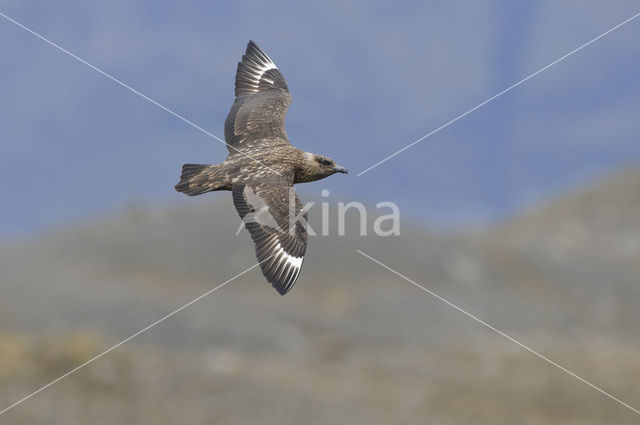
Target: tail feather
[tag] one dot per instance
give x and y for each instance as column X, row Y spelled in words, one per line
column 197, row 179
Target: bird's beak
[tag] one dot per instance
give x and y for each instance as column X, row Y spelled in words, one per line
column 339, row 169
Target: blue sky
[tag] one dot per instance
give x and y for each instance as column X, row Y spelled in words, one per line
column 367, row 78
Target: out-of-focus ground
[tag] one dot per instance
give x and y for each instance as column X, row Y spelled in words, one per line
column 352, row 343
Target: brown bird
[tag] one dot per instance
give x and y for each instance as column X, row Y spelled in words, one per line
column 261, row 169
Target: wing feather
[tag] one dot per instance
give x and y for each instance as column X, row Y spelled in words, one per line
column 272, row 213
column 260, row 107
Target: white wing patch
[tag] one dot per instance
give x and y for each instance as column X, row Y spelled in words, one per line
column 287, row 267
column 290, row 259
column 256, row 70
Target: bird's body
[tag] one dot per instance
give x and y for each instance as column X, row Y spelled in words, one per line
column 261, row 169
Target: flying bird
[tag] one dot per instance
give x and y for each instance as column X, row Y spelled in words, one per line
column 261, row 169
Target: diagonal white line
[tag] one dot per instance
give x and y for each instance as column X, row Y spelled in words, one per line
column 91, row 360
column 498, row 95
column 546, row 359
column 109, row 76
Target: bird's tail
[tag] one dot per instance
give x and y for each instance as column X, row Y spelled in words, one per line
column 197, row 179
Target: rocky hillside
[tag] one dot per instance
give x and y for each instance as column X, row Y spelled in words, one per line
column 352, row 343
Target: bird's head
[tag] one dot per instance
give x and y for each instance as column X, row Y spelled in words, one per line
column 317, row 167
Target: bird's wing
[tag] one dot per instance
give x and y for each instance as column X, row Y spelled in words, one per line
column 274, row 216
column 262, row 99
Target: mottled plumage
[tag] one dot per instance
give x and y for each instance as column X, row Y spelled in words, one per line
column 261, row 169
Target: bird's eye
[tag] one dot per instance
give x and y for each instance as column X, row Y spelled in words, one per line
column 324, row 161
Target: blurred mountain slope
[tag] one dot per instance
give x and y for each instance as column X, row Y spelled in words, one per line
column 352, row 343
